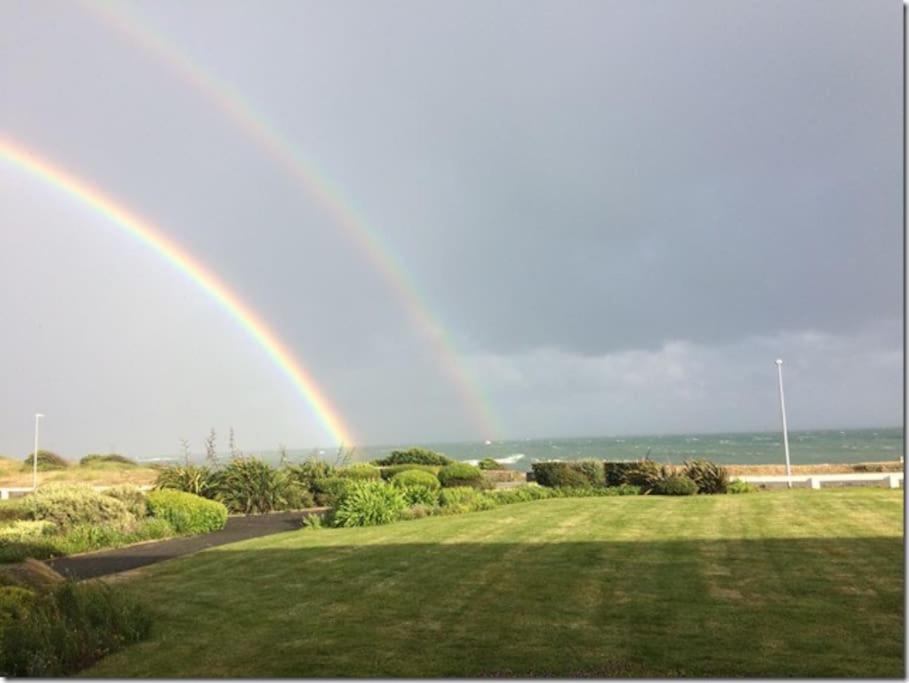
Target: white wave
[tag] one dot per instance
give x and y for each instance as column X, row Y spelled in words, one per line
column 510, row 460
column 472, row 462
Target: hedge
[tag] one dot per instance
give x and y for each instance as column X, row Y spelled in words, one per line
column 187, row 513
column 69, row 505
column 414, row 456
column 389, row 471
column 416, row 478
column 460, row 474
column 575, row 473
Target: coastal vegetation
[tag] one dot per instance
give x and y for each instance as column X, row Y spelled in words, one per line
column 780, row 584
column 64, row 519
column 58, row 629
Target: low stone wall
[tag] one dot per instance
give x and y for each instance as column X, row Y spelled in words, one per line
column 502, row 476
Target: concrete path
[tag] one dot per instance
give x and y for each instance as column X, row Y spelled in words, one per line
column 104, row 562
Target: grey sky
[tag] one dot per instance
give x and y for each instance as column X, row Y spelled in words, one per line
column 621, row 212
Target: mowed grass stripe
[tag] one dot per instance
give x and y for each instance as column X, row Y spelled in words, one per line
column 788, row 583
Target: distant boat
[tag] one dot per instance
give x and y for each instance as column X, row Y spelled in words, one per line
column 488, row 442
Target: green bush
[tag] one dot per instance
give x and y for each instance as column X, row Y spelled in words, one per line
column 12, row 510
column 68, row 628
column 709, row 477
column 26, row 530
column 490, row 464
column 555, row 473
column 331, row 490
column 523, row 494
column 643, row 473
column 465, row 499
column 390, row 471
column 116, row 458
column 739, row 486
column 676, row 485
column 460, row 474
column 419, row 512
column 420, row 495
column 416, row 478
column 297, row 496
column 15, row 602
column 359, row 471
column 369, row 503
column 131, row 496
column 194, row 479
column 47, row 460
column 308, row 472
column 414, row 456
column 71, row 504
column 251, row 486
column 187, row 513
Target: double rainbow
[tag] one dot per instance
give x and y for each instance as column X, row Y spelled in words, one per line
column 277, row 146
column 151, row 235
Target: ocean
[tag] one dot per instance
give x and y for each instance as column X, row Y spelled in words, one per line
column 757, row 448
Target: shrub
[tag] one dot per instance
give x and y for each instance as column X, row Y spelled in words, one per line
column 11, row 510
column 187, row 513
column 68, row 505
column 523, row 494
column 68, row 628
column 420, row 495
column 297, row 496
column 643, row 473
column 116, row 458
column 250, row 486
column 359, row 471
column 15, row 602
column 307, row 472
column 709, row 477
column 418, row 512
column 47, row 460
column 312, row 522
column 23, row 530
column 368, row 503
column 416, row 478
column 490, row 464
column 414, row 456
column 739, row 486
column 561, row 474
column 131, row 497
column 200, row 481
column 676, row 485
column 465, row 499
column 330, row 490
column 390, row 471
column 460, row 474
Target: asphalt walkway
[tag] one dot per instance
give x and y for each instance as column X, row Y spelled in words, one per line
column 104, row 562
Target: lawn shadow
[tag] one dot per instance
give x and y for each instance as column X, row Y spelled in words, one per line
column 771, row 608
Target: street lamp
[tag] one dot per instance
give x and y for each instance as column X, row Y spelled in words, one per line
column 779, row 368
column 38, row 416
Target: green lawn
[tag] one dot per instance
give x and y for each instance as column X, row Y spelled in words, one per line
column 788, row 583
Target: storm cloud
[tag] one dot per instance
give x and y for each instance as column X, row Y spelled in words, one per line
column 619, row 213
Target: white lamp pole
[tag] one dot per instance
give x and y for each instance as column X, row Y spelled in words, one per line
column 779, row 368
column 38, row 416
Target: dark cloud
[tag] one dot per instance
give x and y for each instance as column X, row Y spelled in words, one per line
column 560, row 180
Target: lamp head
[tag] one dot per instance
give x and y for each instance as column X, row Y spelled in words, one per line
column 779, row 361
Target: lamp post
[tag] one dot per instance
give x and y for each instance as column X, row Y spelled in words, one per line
column 779, row 368
column 38, row 416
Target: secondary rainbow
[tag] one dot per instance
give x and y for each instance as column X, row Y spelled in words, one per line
column 316, row 183
column 152, row 236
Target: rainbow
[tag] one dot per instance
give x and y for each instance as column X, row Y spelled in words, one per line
column 21, row 158
column 258, row 128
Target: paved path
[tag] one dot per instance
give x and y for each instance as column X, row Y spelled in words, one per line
column 104, row 562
